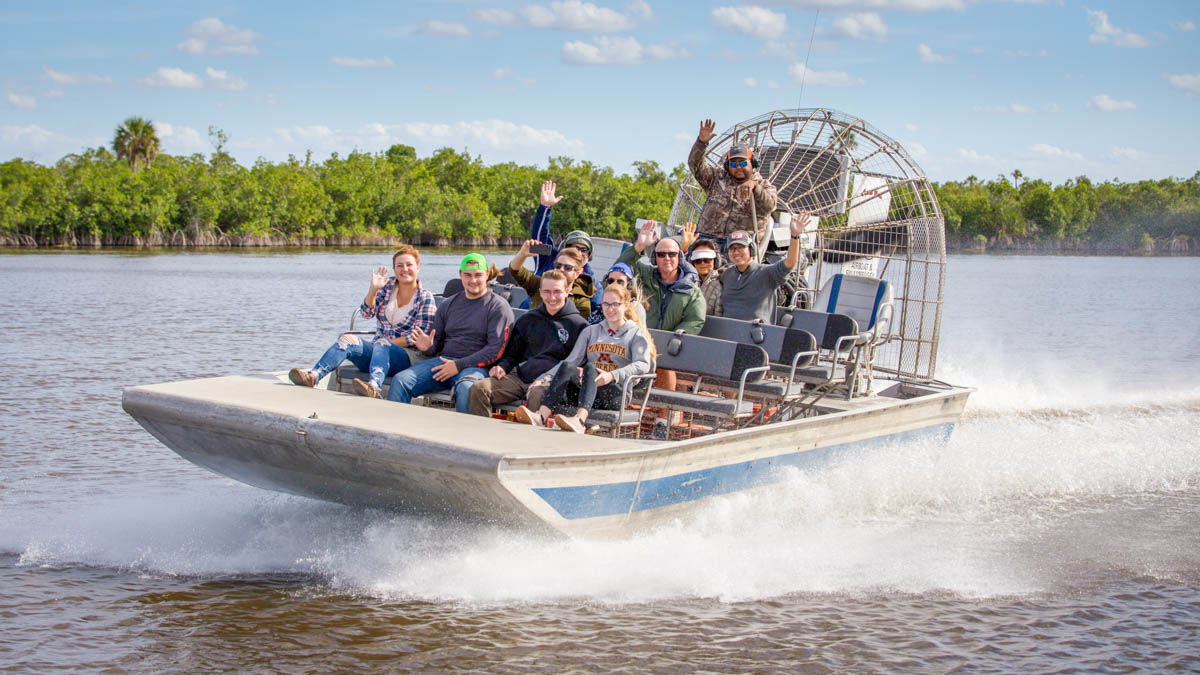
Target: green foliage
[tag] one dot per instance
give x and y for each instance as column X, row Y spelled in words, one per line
column 100, row 197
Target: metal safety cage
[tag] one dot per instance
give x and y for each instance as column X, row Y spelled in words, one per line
column 879, row 216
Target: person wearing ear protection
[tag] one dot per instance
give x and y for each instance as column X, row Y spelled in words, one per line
column 731, row 189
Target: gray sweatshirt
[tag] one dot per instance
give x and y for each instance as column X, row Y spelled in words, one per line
column 750, row 295
column 625, row 354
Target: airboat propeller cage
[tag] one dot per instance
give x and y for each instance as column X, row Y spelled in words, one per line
column 879, row 216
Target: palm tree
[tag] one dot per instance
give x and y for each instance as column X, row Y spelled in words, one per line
column 136, row 142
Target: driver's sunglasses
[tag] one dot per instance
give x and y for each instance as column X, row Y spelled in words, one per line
column 738, row 164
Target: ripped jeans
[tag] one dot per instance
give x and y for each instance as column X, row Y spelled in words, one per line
column 379, row 357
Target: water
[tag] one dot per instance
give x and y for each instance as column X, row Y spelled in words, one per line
column 1057, row 531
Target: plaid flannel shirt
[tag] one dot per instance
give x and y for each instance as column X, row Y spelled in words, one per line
column 421, row 314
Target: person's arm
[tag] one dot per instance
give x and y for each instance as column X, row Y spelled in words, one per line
column 702, row 170
column 779, row 271
column 373, row 300
column 765, row 197
column 514, row 351
column 499, row 325
column 540, row 227
column 639, row 360
column 633, row 257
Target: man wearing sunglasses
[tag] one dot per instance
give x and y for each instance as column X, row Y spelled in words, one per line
column 739, row 197
column 569, row 262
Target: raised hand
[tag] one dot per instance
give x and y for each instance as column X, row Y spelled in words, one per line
column 548, row 197
column 379, row 277
column 646, row 236
column 800, row 222
column 689, row 235
column 708, row 129
column 422, row 340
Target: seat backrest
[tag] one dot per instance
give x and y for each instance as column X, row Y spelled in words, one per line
column 780, row 343
column 859, row 298
column 454, row 285
column 826, row 327
column 708, row 356
column 439, row 299
column 516, row 295
column 518, row 313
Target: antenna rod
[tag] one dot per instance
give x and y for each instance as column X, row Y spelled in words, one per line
column 804, row 75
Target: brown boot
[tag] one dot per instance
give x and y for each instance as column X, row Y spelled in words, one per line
column 365, row 388
column 304, row 378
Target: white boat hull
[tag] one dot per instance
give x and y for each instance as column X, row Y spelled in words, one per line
column 265, row 432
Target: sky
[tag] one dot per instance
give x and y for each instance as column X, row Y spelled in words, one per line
column 1055, row 89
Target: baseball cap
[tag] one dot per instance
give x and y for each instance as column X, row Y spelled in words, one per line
column 739, row 150
column 473, row 261
column 741, row 238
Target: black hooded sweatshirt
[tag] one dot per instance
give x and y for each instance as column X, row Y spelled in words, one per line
column 539, row 341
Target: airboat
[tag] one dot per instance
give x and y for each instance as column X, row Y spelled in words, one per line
column 847, row 367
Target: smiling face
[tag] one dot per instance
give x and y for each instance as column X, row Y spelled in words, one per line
column 474, row 282
column 554, row 294
column 739, row 255
column 406, row 268
column 613, row 307
column 666, row 256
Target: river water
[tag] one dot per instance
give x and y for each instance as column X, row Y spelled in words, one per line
column 1057, row 531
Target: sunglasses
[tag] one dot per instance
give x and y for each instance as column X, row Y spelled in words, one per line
column 582, row 249
column 703, row 261
column 564, row 267
column 666, row 254
column 738, row 164
column 611, row 280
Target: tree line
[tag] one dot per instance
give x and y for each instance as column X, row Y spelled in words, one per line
column 137, row 196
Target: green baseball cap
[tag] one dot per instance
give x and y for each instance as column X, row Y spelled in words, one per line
column 473, row 261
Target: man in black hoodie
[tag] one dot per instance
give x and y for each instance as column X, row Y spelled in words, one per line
column 540, row 339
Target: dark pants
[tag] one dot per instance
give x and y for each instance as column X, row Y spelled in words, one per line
column 570, row 390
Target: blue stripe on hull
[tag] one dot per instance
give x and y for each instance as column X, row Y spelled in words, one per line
column 608, row 499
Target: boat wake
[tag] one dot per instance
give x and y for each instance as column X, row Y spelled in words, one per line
column 1020, row 502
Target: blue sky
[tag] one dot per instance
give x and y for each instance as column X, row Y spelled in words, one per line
column 1056, row 89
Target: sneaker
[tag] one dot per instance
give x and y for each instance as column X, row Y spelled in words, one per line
column 569, row 423
column 526, row 416
column 365, row 388
column 660, row 432
column 304, row 378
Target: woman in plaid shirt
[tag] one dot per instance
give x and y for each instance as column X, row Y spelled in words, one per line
column 398, row 304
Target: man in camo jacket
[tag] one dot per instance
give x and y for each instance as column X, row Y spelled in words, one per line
column 730, row 188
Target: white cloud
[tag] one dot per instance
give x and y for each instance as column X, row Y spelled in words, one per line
column 882, row 5
column 915, row 149
column 1103, row 32
column 1188, row 83
column 31, row 136
column 349, row 62
column 576, row 15
column 223, row 79
column 971, row 155
column 507, row 140
column 72, row 79
column 756, row 22
column 22, row 101
column 173, row 77
column 232, row 40
column 620, row 51
column 826, row 78
column 640, row 10
column 1054, row 152
column 750, row 82
column 928, row 56
column 1184, row 26
column 1129, row 154
column 1106, row 103
column 436, row 28
column 180, row 140
column 501, row 73
column 495, row 16
column 862, row 26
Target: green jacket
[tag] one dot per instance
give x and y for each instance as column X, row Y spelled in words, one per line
column 581, row 291
column 684, row 306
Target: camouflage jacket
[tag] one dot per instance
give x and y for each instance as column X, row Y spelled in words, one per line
column 723, row 213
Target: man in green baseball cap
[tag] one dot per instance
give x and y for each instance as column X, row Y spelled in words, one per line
column 468, row 336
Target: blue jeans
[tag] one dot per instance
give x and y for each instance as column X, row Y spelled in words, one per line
column 418, row 380
column 356, row 348
column 386, row 360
